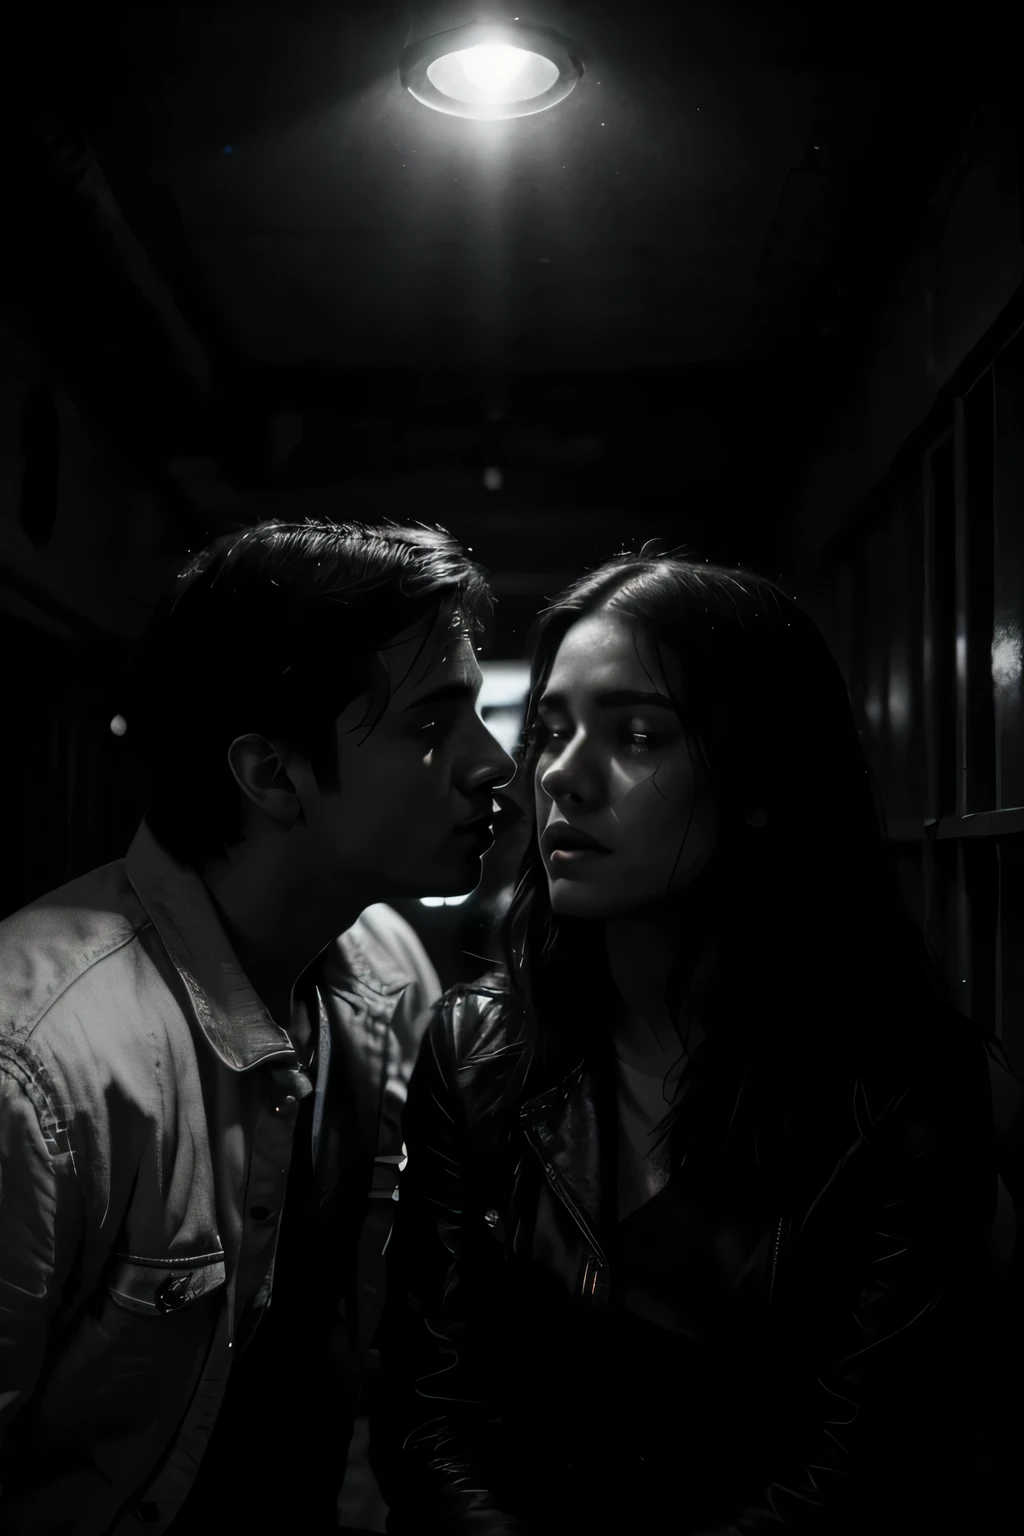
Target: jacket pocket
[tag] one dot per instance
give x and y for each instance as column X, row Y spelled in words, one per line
column 158, row 1287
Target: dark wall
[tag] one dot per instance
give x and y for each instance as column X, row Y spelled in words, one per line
column 967, row 265
column 84, row 548
column 910, row 536
column 69, row 786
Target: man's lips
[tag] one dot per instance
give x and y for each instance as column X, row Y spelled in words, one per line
column 481, row 828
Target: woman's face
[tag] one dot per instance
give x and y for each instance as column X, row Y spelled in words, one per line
column 616, row 765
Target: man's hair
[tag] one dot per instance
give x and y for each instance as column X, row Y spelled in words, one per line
column 274, row 631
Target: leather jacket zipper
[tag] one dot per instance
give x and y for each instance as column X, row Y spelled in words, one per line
column 775, row 1260
column 588, row 1285
column 559, row 1189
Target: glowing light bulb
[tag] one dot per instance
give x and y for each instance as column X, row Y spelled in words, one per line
column 492, row 75
column 492, row 68
column 491, row 71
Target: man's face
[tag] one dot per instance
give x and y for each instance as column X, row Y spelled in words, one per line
column 412, row 778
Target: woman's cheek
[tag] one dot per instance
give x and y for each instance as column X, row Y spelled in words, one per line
column 640, row 785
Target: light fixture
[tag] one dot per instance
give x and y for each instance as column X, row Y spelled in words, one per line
column 491, row 71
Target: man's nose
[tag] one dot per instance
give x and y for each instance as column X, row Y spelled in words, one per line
column 503, row 767
column 493, row 764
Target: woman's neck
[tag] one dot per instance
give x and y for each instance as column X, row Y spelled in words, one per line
column 659, row 960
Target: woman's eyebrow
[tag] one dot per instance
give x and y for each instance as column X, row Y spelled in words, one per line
column 615, row 698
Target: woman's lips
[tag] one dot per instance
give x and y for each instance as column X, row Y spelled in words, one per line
column 565, row 859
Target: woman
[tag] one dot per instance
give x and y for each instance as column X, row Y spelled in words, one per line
column 699, row 1187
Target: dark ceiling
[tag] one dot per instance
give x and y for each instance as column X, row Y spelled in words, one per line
column 336, row 219
column 675, row 209
column 648, row 296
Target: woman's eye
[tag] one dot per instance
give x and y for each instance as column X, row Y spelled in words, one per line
column 541, row 733
column 638, row 740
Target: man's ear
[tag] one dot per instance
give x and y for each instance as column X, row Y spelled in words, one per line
column 263, row 772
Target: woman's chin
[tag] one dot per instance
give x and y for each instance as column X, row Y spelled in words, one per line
column 577, row 901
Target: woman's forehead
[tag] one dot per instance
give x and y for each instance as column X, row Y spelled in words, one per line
column 609, row 650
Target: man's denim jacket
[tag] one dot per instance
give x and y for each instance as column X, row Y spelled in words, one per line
column 147, row 1101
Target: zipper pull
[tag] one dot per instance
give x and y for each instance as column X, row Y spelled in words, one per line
column 593, row 1285
column 775, row 1260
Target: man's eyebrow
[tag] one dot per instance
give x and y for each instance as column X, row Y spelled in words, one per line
column 446, row 693
column 614, row 698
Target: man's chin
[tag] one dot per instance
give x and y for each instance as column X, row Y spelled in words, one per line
column 457, row 887
column 461, row 880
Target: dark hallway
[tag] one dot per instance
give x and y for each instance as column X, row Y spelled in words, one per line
column 753, row 286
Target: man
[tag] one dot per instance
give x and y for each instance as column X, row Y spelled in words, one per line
column 361, row 1509
column 193, row 1067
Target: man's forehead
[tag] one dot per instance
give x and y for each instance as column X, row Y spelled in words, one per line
column 424, row 662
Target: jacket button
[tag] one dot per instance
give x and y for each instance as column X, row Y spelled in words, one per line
column 171, row 1295
column 149, row 1514
column 491, row 1217
column 259, row 1213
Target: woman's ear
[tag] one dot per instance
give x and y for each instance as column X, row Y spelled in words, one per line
column 261, row 772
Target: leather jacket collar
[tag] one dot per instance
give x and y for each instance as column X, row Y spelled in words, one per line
column 564, row 1126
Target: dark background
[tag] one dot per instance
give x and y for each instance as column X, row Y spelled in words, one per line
column 754, row 287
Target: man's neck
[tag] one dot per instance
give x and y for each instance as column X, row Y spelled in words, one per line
column 276, row 925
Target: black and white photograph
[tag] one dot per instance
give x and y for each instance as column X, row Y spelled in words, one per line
column 512, row 790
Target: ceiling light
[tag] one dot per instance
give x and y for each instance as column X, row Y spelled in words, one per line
column 490, row 71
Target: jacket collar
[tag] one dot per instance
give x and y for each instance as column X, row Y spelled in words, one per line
column 227, row 1009
column 362, row 954
column 570, row 1129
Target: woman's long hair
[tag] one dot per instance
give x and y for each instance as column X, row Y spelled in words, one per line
column 822, row 918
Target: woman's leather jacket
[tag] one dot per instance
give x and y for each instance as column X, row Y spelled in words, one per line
column 851, row 1196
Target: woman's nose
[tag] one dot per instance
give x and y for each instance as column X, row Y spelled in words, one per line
column 572, row 773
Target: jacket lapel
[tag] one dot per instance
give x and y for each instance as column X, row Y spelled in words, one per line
column 572, row 1133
